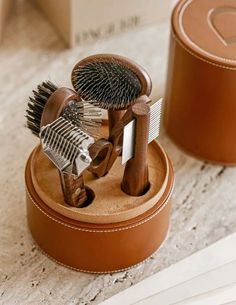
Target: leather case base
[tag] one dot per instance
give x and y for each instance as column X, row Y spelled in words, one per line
column 104, row 244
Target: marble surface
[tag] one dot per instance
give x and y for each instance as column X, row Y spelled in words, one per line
column 204, row 201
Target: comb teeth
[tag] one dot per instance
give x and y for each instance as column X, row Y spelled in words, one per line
column 63, row 142
column 129, row 130
column 109, row 84
column 36, row 105
column 155, row 120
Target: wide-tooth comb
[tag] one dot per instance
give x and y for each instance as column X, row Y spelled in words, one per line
column 66, row 146
column 129, row 130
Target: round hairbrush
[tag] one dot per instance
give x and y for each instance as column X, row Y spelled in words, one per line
column 111, row 82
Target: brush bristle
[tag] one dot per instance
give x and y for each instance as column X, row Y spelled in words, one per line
column 110, row 84
column 79, row 113
column 36, row 105
column 85, row 116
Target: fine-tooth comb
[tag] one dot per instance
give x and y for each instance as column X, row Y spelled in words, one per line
column 66, row 146
column 129, row 130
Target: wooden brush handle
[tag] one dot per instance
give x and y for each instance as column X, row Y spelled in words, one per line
column 117, row 130
column 73, row 189
column 135, row 180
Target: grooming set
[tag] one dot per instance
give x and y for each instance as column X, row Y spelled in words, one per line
column 98, row 201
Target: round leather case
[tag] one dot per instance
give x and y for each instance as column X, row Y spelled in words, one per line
column 115, row 231
column 200, row 102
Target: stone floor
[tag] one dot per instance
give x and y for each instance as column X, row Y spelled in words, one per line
column 204, row 201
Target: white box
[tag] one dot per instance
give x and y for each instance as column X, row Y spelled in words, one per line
column 81, row 21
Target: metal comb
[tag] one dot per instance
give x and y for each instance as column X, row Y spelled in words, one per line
column 129, row 130
column 66, row 146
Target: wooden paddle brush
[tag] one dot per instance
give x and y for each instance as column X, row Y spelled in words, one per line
column 114, row 83
column 111, row 82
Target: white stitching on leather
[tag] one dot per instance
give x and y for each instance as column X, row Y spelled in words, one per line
column 91, row 271
column 102, row 231
column 180, row 21
column 105, row 272
column 200, row 58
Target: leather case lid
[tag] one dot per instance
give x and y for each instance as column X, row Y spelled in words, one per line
column 208, row 29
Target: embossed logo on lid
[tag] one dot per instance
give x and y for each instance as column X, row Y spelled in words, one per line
column 207, row 28
column 223, row 22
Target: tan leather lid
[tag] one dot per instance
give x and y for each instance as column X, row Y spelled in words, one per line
column 207, row 28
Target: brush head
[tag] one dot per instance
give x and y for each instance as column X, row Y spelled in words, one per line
column 110, row 81
column 66, row 145
column 36, row 105
column 49, row 102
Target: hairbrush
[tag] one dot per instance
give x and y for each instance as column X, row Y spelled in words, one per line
column 110, row 81
column 114, row 83
column 66, row 145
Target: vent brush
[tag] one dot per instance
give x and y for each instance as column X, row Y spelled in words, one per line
column 67, row 147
